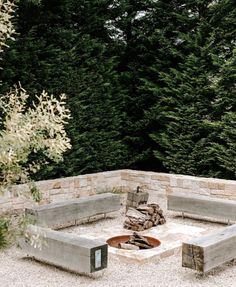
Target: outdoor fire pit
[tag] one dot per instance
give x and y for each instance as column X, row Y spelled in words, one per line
column 133, row 242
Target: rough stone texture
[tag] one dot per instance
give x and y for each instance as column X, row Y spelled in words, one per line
column 163, row 183
column 121, row 180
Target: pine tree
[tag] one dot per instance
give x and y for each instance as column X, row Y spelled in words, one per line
column 130, row 24
column 186, row 93
column 65, row 46
column 150, row 83
column 223, row 122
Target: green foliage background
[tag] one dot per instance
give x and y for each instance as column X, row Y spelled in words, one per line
column 151, row 84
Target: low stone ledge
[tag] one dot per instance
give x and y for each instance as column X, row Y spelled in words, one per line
column 82, row 185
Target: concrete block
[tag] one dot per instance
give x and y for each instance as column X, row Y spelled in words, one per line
column 202, row 205
column 65, row 250
column 207, row 252
column 54, row 214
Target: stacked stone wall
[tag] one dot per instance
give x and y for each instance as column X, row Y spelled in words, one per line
column 116, row 181
column 60, row 189
column 163, row 183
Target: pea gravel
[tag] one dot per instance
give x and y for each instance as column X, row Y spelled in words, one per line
column 18, row 271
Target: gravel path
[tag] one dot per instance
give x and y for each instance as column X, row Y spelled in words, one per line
column 16, row 271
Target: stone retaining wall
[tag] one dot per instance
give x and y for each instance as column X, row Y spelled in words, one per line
column 61, row 189
column 116, row 181
column 163, row 183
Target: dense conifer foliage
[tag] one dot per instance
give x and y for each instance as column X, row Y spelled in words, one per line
column 150, row 83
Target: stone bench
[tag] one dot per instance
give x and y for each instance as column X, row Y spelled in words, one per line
column 203, row 254
column 64, row 250
column 59, row 214
column 202, row 206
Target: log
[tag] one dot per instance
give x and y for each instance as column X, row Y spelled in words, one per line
column 139, row 237
column 139, row 240
column 150, row 224
column 140, row 244
column 141, row 228
column 160, row 211
column 127, row 221
column 155, row 223
column 162, row 221
column 147, row 209
column 144, row 217
column 146, row 225
column 155, row 218
column 136, row 242
column 128, row 246
column 132, row 212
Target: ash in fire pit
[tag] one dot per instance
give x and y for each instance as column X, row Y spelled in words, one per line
column 133, row 242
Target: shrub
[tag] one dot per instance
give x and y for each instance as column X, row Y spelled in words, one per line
column 4, row 226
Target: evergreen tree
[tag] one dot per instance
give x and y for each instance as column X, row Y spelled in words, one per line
column 186, row 92
column 130, row 26
column 64, row 46
column 97, row 122
column 223, row 145
column 151, row 84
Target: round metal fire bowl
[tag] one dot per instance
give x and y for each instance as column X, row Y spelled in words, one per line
column 114, row 241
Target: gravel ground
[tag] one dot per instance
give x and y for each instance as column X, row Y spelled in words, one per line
column 16, row 271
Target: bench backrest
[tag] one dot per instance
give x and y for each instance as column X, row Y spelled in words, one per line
column 56, row 214
column 202, row 205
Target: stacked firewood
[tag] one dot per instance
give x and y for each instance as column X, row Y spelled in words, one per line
column 136, row 242
column 143, row 217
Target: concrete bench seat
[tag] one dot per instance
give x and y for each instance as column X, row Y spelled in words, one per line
column 205, row 253
column 202, row 205
column 64, row 250
column 56, row 214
